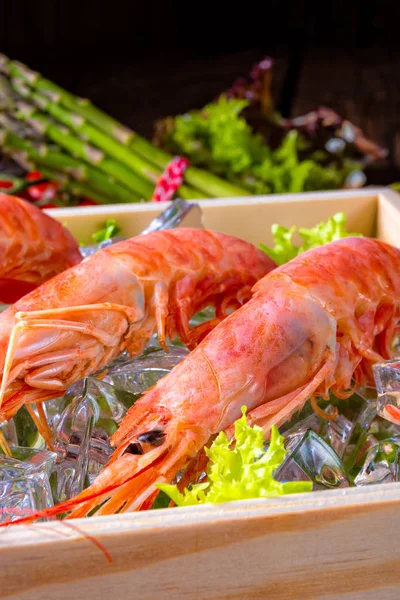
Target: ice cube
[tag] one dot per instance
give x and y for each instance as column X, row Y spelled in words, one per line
column 92, row 413
column 312, row 459
column 360, row 409
column 382, row 429
column 72, row 441
column 24, row 482
column 381, row 464
column 26, row 461
column 368, row 437
column 100, row 451
column 337, row 432
column 54, row 409
column 297, row 431
column 9, row 431
column 138, row 375
column 387, row 378
column 21, row 496
column 111, row 412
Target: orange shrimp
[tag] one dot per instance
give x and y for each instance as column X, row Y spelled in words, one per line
column 313, row 325
column 77, row 322
column 33, row 248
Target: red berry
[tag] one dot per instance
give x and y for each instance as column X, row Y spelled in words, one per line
column 46, row 190
column 6, row 185
column 34, row 176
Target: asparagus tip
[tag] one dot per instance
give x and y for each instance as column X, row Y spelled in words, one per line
column 20, row 87
column 27, row 73
column 24, row 108
column 37, row 125
column 4, row 62
column 21, row 158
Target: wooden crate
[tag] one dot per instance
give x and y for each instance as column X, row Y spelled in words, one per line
column 338, row 544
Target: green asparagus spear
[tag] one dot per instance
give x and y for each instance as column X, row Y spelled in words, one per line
column 53, row 159
column 75, row 146
column 60, row 96
column 70, row 185
column 88, row 132
column 206, row 182
column 6, row 94
column 98, row 138
column 74, row 187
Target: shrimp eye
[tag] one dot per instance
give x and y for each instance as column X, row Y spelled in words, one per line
column 155, row 437
column 133, row 448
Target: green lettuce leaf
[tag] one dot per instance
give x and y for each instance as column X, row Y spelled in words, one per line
column 220, row 139
column 111, row 229
column 239, row 472
column 327, row 231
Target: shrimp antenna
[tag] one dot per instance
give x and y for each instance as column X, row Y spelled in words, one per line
column 4, row 445
column 10, row 356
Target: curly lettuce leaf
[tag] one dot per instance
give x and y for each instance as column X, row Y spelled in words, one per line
column 239, row 472
column 220, row 139
column 110, row 229
column 323, row 233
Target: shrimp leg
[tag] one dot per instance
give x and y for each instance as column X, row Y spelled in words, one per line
column 280, row 410
column 41, row 423
column 27, row 322
column 161, row 298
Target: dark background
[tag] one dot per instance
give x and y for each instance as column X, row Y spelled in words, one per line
column 142, row 61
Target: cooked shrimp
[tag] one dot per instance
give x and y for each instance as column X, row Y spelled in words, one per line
column 77, row 322
column 314, row 325
column 33, row 248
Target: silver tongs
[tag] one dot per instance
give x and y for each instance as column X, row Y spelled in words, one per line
column 178, row 214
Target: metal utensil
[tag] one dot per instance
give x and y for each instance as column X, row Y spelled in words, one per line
column 178, row 214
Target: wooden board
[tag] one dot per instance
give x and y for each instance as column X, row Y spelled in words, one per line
column 333, row 545
column 249, row 218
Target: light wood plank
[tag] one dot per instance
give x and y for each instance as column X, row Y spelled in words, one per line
column 321, row 545
column 248, row 218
